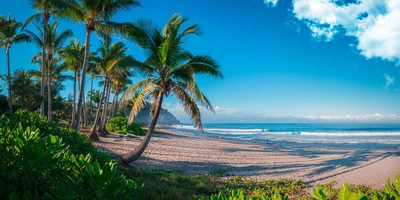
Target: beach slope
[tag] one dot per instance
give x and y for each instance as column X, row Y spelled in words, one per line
column 200, row 155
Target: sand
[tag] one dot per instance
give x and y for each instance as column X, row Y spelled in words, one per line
column 201, row 155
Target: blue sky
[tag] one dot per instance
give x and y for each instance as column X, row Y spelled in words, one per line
column 283, row 60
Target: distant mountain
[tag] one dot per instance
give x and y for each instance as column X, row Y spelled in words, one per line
column 166, row 118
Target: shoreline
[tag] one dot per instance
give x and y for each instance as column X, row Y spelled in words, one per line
column 191, row 154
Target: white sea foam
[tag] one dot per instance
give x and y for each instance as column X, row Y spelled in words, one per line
column 343, row 134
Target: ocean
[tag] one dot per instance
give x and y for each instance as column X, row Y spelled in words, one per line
column 334, row 135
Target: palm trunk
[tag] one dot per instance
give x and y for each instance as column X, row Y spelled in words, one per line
column 115, row 102
column 45, row 20
column 102, row 127
column 90, row 102
column 73, row 104
column 49, row 106
column 82, row 85
column 138, row 151
column 9, row 78
column 93, row 135
column 84, row 114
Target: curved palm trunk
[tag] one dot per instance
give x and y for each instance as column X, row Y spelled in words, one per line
column 9, row 78
column 49, row 106
column 82, row 85
column 73, row 104
column 93, row 135
column 102, row 128
column 138, row 151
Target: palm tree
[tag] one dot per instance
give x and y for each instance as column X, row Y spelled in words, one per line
column 171, row 70
column 24, row 90
column 54, row 43
column 111, row 61
column 73, row 56
column 47, row 8
column 96, row 16
column 8, row 37
column 120, row 82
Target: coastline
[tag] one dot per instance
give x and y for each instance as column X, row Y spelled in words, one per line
column 270, row 160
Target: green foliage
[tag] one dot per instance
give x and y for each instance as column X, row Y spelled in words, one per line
column 390, row 192
column 135, row 129
column 159, row 184
column 239, row 194
column 119, row 125
column 54, row 163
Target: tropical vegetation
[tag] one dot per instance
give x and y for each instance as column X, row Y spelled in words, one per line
column 41, row 160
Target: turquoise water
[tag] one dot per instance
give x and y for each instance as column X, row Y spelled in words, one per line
column 365, row 135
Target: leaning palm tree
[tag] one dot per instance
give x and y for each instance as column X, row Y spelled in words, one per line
column 8, row 37
column 96, row 16
column 171, row 70
column 54, row 43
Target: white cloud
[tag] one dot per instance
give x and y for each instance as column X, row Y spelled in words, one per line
column 374, row 23
column 236, row 115
column 389, row 81
column 271, row 3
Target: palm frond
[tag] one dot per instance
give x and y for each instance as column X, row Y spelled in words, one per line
column 36, row 17
column 189, row 106
column 204, row 65
column 21, row 38
column 35, row 39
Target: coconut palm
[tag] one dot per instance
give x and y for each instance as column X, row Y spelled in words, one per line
column 120, row 82
column 9, row 36
column 24, row 91
column 111, row 61
column 47, row 8
column 171, row 70
column 96, row 16
column 54, row 43
column 73, row 56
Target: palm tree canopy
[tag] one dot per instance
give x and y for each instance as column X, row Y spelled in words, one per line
column 54, row 41
column 9, row 34
column 170, row 68
column 61, row 9
column 97, row 14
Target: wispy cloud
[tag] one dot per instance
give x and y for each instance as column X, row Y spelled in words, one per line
column 236, row 115
column 373, row 22
column 271, row 3
column 389, row 81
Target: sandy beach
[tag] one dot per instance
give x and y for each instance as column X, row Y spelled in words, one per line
column 199, row 155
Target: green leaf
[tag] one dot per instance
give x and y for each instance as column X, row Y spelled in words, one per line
column 344, row 191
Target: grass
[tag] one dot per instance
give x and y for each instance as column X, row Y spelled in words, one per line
column 160, row 184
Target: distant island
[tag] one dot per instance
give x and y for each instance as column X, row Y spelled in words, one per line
column 166, row 118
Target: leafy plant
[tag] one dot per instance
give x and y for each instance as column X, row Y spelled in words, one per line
column 119, row 125
column 35, row 164
column 390, row 192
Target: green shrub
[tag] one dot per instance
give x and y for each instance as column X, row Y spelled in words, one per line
column 119, row 125
column 390, row 192
column 135, row 129
column 35, row 164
